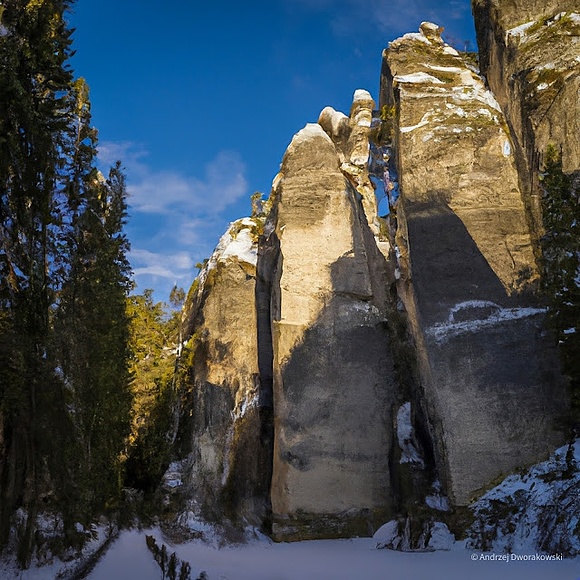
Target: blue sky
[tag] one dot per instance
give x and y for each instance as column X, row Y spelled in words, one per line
column 200, row 99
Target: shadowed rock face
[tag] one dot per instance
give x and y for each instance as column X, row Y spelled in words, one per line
column 529, row 55
column 333, row 378
column 467, row 265
column 295, row 331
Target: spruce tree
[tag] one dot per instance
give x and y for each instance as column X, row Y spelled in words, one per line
column 64, row 278
column 34, row 47
column 92, row 334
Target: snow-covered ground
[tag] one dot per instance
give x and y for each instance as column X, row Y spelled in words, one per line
column 129, row 559
column 322, row 559
column 356, row 559
column 538, row 508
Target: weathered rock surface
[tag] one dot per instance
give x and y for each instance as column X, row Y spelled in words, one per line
column 333, row 381
column 530, row 55
column 348, row 370
column 226, row 472
column 490, row 380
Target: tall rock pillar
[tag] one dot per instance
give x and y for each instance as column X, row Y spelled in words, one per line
column 225, row 469
column 529, row 53
column 333, row 379
column 492, row 389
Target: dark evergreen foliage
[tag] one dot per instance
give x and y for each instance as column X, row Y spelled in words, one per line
column 561, row 265
column 155, row 338
column 64, row 277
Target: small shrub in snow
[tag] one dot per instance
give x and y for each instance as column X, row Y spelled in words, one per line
column 170, row 565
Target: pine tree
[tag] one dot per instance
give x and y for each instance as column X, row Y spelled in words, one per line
column 92, row 334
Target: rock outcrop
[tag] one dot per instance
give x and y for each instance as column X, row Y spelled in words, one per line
column 529, row 53
column 226, row 460
column 345, row 369
column 489, row 376
column 333, row 370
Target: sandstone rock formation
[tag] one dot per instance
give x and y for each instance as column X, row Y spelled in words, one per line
column 226, row 469
column 347, row 369
column 529, row 55
column 465, row 255
column 333, row 378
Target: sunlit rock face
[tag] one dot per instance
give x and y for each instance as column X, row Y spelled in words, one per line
column 346, row 369
column 225, row 470
column 332, row 368
column 530, row 55
column 490, row 380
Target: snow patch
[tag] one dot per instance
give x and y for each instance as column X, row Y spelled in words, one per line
column 418, row 77
column 238, row 242
column 247, row 403
column 470, row 304
column 492, row 315
column 471, row 87
column 386, row 534
column 447, row 69
column 436, row 500
column 406, row 436
column 475, row 90
column 455, row 109
column 410, row 36
column 361, row 95
column 198, row 526
column 310, row 131
column 242, row 247
column 396, row 535
column 518, row 32
column 337, row 119
column 441, row 538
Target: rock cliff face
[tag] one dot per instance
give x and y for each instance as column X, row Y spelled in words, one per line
column 226, row 469
column 466, row 264
column 529, row 55
column 333, row 377
column 345, row 368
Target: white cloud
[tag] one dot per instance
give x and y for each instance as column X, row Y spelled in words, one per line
column 168, row 191
column 175, row 218
column 161, row 264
